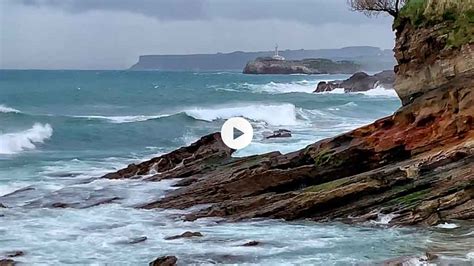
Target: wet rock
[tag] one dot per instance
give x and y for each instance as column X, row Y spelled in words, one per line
column 401, row 261
column 15, row 253
column 137, row 240
column 280, row 133
column 7, row 262
column 164, row 261
column 92, row 201
column 187, row 234
column 251, row 244
column 360, row 81
column 324, row 86
column 184, row 162
column 2, row 206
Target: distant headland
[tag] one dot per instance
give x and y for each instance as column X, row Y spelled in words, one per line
column 369, row 58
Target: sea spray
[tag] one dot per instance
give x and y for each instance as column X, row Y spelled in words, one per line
column 6, row 109
column 12, row 143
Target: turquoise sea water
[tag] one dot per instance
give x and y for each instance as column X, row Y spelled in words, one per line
column 59, row 130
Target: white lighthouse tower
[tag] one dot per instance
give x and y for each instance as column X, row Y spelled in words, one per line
column 276, row 56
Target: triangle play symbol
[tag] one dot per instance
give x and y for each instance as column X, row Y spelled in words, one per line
column 237, row 133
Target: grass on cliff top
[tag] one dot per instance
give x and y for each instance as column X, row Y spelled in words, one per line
column 460, row 13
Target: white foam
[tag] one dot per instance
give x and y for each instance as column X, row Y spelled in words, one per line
column 12, row 143
column 385, row 218
column 380, row 91
column 277, row 114
column 6, row 109
column 447, row 226
column 335, row 91
column 123, row 119
column 302, row 86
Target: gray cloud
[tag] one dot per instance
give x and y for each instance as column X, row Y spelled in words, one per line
column 111, row 34
column 308, row 11
column 161, row 9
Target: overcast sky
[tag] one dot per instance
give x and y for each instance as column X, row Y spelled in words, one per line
column 111, row 34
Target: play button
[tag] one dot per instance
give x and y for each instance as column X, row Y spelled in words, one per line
column 237, row 133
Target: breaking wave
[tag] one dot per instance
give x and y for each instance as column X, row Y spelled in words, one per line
column 12, row 143
column 6, row 109
column 303, row 86
column 123, row 119
column 381, row 91
column 278, row 114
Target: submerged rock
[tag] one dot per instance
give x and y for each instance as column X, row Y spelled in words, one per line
column 251, row 244
column 15, row 253
column 280, row 133
column 164, row 261
column 134, row 240
column 187, row 234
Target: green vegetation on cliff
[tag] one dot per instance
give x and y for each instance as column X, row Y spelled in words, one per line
column 423, row 13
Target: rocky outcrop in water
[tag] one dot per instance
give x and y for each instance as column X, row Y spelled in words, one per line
column 164, row 261
column 360, row 81
column 417, row 165
column 268, row 65
column 187, row 234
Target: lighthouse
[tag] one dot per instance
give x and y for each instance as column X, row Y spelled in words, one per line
column 276, row 56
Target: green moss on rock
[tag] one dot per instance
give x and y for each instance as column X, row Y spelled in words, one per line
column 426, row 13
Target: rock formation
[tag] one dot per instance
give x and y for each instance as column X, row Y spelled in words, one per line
column 417, row 164
column 360, row 81
column 268, row 65
column 164, row 261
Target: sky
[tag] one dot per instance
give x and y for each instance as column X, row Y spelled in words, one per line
column 111, row 34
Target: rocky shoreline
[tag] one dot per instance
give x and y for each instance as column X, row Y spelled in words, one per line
column 416, row 165
column 358, row 82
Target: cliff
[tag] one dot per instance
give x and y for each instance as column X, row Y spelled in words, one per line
column 267, row 65
column 370, row 58
column 416, row 165
column 434, row 45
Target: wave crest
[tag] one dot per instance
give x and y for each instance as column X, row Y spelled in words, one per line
column 281, row 114
column 302, row 86
column 123, row 119
column 12, row 143
column 6, row 109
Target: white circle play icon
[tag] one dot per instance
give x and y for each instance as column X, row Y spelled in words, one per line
column 237, row 133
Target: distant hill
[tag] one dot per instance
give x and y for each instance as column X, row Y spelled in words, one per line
column 369, row 58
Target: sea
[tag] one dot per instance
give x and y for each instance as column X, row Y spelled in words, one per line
column 61, row 130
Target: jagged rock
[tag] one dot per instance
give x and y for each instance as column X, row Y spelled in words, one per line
column 268, row 65
column 7, row 262
column 359, row 82
column 324, row 86
column 187, row 234
column 164, row 261
column 184, row 162
column 280, row 133
column 251, row 244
